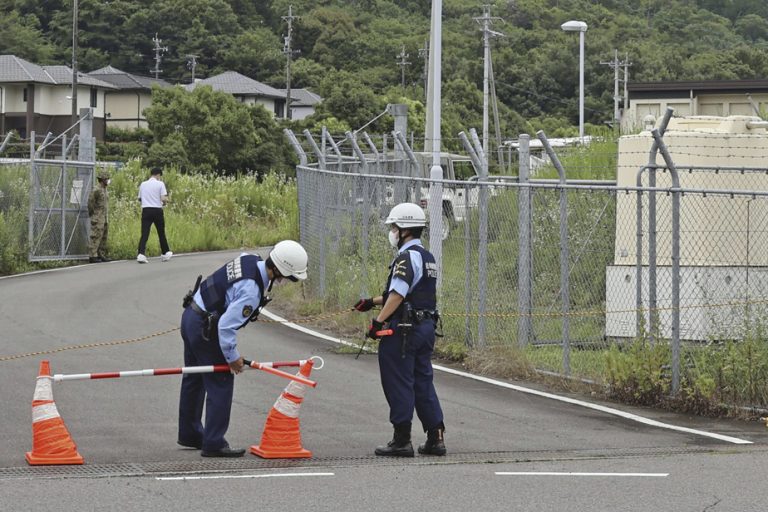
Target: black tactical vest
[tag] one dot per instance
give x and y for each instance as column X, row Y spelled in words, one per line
column 423, row 296
column 214, row 288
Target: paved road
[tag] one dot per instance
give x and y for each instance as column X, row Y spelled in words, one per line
column 508, row 450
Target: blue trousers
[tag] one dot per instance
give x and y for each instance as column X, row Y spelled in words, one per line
column 214, row 390
column 407, row 381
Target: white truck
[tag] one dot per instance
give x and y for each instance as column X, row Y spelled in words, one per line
column 456, row 200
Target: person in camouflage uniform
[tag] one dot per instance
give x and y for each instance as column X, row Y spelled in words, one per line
column 98, row 211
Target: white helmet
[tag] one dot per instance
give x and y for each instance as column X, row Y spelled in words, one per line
column 290, row 258
column 407, row 215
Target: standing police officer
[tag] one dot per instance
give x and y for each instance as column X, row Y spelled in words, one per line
column 98, row 211
column 410, row 307
column 226, row 301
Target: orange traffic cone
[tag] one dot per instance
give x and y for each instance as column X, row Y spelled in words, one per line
column 281, row 438
column 51, row 442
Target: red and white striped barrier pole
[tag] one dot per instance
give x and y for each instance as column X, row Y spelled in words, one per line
column 269, row 367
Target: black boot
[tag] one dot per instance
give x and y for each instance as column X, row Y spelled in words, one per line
column 435, row 444
column 400, row 445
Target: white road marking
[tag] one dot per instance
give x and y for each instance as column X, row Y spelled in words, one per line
column 494, row 382
column 555, row 473
column 224, row 477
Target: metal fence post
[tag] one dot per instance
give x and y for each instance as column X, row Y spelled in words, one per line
column 468, row 244
column 375, row 151
column 482, row 256
column 304, row 216
column 564, row 254
column 316, row 150
column 33, row 194
column 675, row 260
column 652, row 255
column 320, row 205
column 402, row 189
column 524, row 243
column 365, row 212
column 5, row 142
column 87, row 148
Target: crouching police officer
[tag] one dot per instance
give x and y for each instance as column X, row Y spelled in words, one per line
column 410, row 309
column 213, row 311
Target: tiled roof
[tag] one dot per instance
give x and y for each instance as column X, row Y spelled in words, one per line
column 124, row 80
column 63, row 75
column 15, row 69
column 303, row 97
column 234, row 83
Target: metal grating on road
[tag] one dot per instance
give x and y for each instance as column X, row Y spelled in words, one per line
column 247, row 463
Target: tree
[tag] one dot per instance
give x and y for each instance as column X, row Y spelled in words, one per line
column 211, row 130
column 22, row 37
column 254, row 53
column 346, row 98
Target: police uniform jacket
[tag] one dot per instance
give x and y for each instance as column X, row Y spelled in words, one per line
column 235, row 293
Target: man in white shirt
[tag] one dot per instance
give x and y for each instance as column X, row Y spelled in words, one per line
column 153, row 197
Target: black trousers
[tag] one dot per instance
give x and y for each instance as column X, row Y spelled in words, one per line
column 154, row 216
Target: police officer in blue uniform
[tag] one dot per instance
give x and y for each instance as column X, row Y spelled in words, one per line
column 213, row 311
column 409, row 308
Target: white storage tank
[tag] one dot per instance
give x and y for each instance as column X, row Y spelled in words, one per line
column 723, row 239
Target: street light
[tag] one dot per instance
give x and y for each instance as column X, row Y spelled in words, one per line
column 581, row 28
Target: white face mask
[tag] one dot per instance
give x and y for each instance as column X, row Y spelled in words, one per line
column 394, row 239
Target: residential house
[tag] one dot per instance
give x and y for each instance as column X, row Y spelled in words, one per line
column 124, row 106
column 39, row 98
column 649, row 100
column 246, row 90
column 303, row 103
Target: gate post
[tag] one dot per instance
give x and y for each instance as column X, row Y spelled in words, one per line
column 87, row 150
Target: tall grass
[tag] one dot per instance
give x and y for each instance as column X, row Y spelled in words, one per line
column 205, row 212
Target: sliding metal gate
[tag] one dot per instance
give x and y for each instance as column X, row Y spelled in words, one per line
column 58, row 210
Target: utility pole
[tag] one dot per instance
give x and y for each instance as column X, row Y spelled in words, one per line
column 288, row 51
column 159, row 50
column 615, row 64
column 402, row 63
column 192, row 64
column 627, row 64
column 486, row 21
column 424, row 53
column 75, row 113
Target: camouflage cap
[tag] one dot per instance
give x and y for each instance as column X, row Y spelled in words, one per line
column 102, row 175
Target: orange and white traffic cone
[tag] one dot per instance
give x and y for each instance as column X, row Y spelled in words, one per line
column 51, row 442
column 281, row 438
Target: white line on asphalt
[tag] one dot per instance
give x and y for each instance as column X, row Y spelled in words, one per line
column 223, row 477
column 494, row 382
column 554, row 473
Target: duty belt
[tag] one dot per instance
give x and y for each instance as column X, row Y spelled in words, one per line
column 419, row 315
column 197, row 309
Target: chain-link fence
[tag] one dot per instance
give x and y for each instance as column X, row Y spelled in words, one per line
column 566, row 270
column 44, row 197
